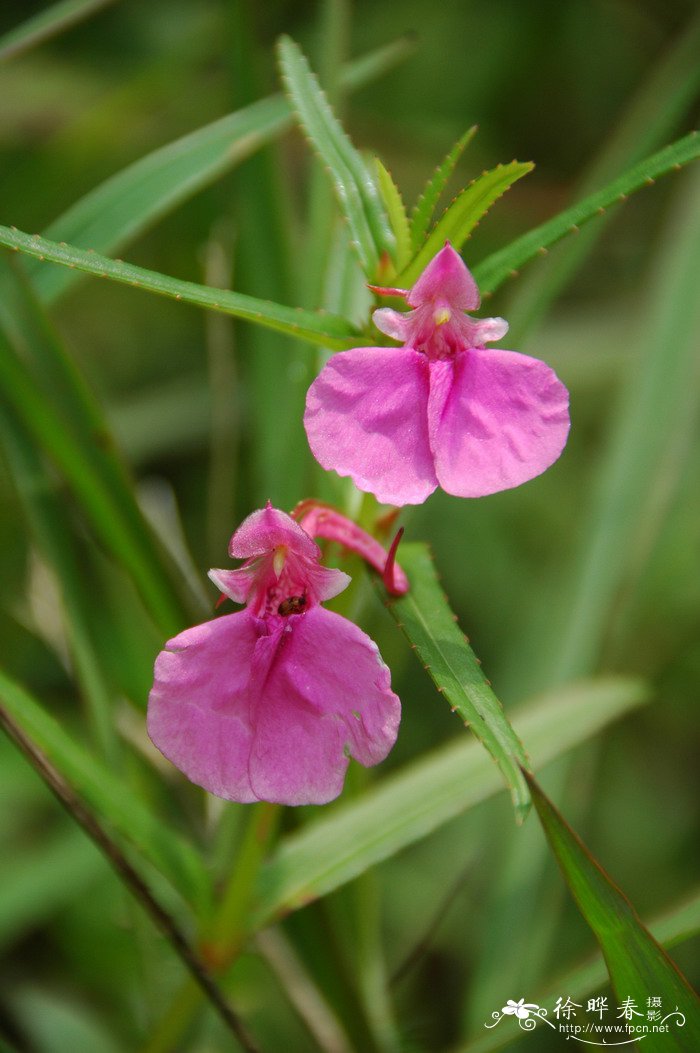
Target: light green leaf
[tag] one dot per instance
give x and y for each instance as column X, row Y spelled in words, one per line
column 120, row 209
column 457, row 222
column 427, row 202
column 426, row 618
column 411, row 804
column 46, row 24
column 355, row 188
column 396, row 211
column 315, row 327
column 637, row 965
column 493, row 271
column 675, row 926
column 110, row 797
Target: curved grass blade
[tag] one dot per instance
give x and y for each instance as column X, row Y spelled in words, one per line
column 673, row 927
column 492, row 272
column 47, row 24
column 327, row 330
column 458, row 221
column 427, row 203
column 637, row 965
column 411, row 804
column 427, row 620
column 396, row 211
column 112, row 799
column 356, row 191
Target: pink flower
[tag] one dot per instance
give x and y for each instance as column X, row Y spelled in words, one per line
column 442, row 409
column 269, row 703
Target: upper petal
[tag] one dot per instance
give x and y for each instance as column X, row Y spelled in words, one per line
column 198, row 708
column 327, row 696
column 267, row 529
column 366, row 417
column 497, row 419
column 448, row 278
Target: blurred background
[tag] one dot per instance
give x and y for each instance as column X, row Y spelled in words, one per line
column 592, row 567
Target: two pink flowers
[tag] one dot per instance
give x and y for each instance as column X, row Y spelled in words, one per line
column 269, row 703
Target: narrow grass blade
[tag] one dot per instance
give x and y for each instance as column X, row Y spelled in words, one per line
column 110, row 797
column 46, row 24
column 458, row 221
column 672, row 928
column 427, row 203
column 355, row 188
column 396, row 210
column 413, row 803
column 427, row 620
column 315, row 327
column 493, row 271
column 637, row 965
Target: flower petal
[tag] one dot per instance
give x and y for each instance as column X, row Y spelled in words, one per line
column 236, row 584
column 267, row 529
column 395, row 324
column 327, row 696
column 447, row 278
column 496, row 419
column 366, row 417
column 198, row 710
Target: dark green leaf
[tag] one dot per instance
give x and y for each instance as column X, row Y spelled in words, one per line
column 638, row 966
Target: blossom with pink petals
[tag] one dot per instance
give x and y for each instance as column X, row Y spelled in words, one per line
column 269, row 703
column 442, row 409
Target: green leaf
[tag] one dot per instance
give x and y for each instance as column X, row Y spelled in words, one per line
column 110, row 797
column 411, row 804
column 637, row 965
column 493, row 271
column 396, row 211
column 355, row 188
column 457, row 222
column 47, row 24
column 120, row 209
column 427, row 202
column 315, row 327
column 427, row 620
column 673, row 927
